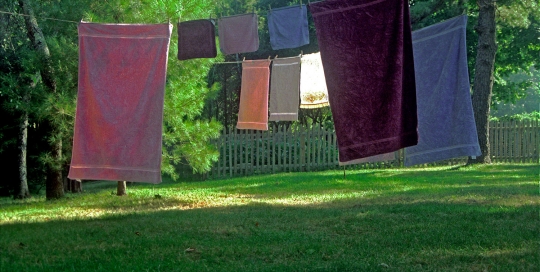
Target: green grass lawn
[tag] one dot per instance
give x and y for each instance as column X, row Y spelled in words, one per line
column 470, row 218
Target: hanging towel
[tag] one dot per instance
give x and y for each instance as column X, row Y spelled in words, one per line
column 445, row 116
column 288, row 27
column 196, row 39
column 238, row 34
column 118, row 123
column 284, row 89
column 313, row 91
column 366, row 50
column 390, row 156
column 253, row 112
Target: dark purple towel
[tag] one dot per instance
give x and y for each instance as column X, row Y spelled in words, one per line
column 196, row 39
column 367, row 55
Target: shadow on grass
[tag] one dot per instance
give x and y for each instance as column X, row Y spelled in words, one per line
column 349, row 235
column 468, row 219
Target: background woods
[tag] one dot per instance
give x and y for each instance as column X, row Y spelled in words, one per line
column 38, row 89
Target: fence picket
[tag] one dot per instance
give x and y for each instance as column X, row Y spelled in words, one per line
column 282, row 148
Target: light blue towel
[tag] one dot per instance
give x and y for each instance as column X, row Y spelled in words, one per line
column 288, row 27
column 446, row 126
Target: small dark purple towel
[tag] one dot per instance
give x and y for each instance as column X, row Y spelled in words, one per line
column 196, row 39
column 367, row 55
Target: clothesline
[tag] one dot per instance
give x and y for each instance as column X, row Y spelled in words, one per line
column 241, row 61
column 77, row 22
column 44, row 18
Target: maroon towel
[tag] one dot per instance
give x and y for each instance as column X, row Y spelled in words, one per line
column 239, row 33
column 118, row 125
column 366, row 50
column 196, row 39
column 253, row 112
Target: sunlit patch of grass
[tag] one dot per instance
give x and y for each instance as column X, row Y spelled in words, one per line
column 468, row 218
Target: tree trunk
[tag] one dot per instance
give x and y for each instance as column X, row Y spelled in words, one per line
column 121, row 189
column 483, row 80
column 54, row 184
column 23, row 140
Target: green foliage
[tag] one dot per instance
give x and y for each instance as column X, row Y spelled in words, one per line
column 518, row 33
column 186, row 138
column 469, row 218
column 529, row 116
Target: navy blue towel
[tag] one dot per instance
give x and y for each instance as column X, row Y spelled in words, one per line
column 288, row 27
column 446, row 126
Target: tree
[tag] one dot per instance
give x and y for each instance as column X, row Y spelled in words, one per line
column 185, row 136
column 514, row 24
column 55, row 187
column 484, row 69
column 16, row 82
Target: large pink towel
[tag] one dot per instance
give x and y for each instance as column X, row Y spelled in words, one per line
column 253, row 112
column 118, row 125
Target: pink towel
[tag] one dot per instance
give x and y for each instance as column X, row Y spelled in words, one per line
column 118, row 125
column 253, row 112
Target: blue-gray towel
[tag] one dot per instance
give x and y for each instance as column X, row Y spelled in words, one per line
column 288, row 27
column 238, row 33
column 446, row 126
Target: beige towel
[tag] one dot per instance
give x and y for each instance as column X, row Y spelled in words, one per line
column 313, row 92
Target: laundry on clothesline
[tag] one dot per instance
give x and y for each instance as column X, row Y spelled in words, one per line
column 238, row 34
column 367, row 55
column 313, row 91
column 288, row 27
column 118, row 123
column 446, row 124
column 284, row 89
column 253, row 111
column 196, row 39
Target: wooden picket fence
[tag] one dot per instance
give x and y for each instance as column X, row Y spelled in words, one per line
column 286, row 148
column 513, row 141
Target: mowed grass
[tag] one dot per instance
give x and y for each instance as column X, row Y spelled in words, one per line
column 469, row 218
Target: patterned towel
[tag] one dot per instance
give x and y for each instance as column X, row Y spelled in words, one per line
column 284, row 89
column 313, row 92
column 239, row 33
column 446, row 123
column 366, row 50
column 253, row 112
column 118, row 124
column 196, row 39
column 288, row 27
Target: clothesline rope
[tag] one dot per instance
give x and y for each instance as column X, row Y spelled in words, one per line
column 76, row 22
column 43, row 18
